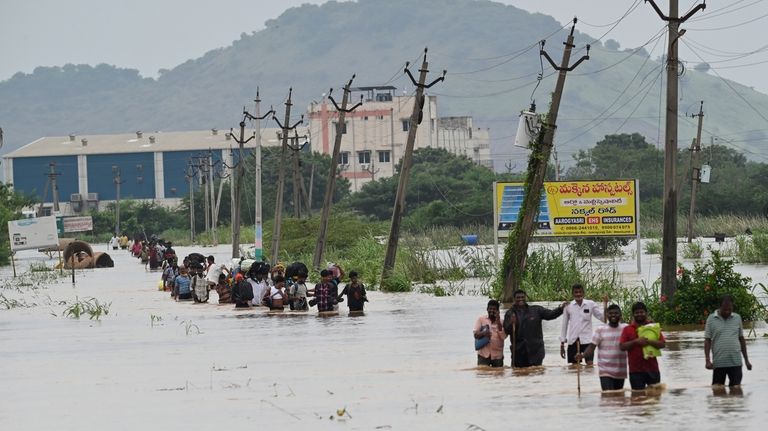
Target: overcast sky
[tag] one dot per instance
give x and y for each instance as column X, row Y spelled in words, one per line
column 153, row 34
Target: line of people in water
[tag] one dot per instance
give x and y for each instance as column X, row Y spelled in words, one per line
column 250, row 284
column 621, row 347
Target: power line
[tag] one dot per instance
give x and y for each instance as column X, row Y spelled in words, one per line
column 728, row 84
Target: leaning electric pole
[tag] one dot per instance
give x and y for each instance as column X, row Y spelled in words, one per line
column 237, row 196
column 517, row 248
column 343, row 111
column 286, row 127
column 695, row 171
column 669, row 241
column 405, row 164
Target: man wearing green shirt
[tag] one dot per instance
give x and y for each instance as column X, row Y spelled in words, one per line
column 724, row 337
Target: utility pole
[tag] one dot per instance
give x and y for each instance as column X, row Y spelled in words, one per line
column 407, row 161
column 286, row 127
column 201, row 163
column 329, row 187
column 669, row 241
column 52, row 174
column 190, row 175
column 257, row 219
column 298, row 186
column 517, row 248
column 695, row 171
column 212, row 191
column 117, row 180
column 238, row 195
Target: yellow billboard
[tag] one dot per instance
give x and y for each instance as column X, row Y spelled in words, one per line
column 573, row 208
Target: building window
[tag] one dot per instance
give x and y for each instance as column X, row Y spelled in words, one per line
column 364, row 157
column 365, row 118
column 406, row 124
column 343, row 129
column 344, row 158
column 383, row 156
column 379, row 117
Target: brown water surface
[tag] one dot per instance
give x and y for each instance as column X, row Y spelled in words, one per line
column 407, row 364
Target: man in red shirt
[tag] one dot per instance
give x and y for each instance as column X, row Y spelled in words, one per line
column 643, row 371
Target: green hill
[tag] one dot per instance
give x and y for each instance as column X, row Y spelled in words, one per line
column 490, row 51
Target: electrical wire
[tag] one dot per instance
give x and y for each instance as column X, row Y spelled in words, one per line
column 728, row 27
column 728, row 84
column 725, row 11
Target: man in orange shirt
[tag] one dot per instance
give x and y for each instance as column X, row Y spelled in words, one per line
column 492, row 353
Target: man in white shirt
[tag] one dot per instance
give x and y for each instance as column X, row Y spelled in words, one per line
column 577, row 324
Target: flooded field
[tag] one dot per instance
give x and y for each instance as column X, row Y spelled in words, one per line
column 407, row 364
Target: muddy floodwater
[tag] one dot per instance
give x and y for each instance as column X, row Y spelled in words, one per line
column 407, row 364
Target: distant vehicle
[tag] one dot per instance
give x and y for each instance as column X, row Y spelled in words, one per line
column 28, row 214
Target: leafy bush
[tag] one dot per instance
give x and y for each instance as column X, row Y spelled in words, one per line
column 752, row 249
column 699, row 292
column 693, row 250
column 398, row 281
column 653, row 247
column 549, row 275
column 596, row 246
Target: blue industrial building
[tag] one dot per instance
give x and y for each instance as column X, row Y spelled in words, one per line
column 87, row 168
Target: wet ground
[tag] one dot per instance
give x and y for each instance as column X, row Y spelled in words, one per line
column 407, row 364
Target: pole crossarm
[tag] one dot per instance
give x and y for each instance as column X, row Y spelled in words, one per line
column 406, row 163
column 680, row 20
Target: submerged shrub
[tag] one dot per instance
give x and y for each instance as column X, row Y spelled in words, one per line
column 653, row 247
column 699, row 292
column 597, row 246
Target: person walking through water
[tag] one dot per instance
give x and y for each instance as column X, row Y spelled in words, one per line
column 577, row 324
column 643, row 366
column 611, row 361
column 522, row 323
column 355, row 291
column 724, row 338
column 489, row 326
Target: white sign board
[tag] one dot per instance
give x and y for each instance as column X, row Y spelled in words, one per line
column 33, row 233
column 78, row 224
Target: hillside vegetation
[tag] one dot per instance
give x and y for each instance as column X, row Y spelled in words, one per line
column 490, row 51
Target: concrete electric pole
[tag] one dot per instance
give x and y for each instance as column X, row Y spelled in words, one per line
column 407, row 161
column 286, row 127
column 258, row 219
column 517, row 247
column 329, row 187
column 118, row 181
column 669, row 241
column 695, row 171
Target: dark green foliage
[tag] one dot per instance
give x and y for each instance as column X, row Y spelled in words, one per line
column 737, row 186
column 321, row 46
column 597, row 246
column 699, row 292
column 137, row 218
column 444, row 189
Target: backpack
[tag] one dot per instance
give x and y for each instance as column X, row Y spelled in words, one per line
column 242, row 291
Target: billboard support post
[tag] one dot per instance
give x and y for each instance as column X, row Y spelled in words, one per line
column 13, row 263
column 495, row 221
column 637, row 227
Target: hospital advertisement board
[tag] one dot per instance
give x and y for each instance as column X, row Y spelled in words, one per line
column 573, row 208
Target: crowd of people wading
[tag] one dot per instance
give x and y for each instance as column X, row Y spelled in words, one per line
column 246, row 283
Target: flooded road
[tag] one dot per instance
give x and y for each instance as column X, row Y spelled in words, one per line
column 408, row 364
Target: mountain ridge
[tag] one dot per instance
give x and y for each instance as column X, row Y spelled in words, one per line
column 489, row 49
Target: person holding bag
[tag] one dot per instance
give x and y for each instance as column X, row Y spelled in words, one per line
column 489, row 337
